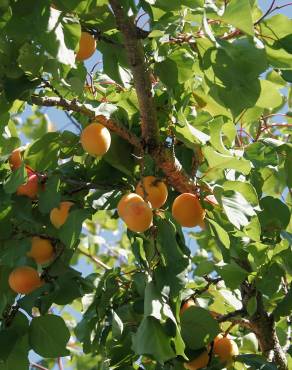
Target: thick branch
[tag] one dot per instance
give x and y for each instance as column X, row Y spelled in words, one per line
column 84, row 109
column 163, row 157
column 141, row 75
column 263, row 325
column 175, row 174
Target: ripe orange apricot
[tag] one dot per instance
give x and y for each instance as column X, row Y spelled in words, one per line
column 155, row 191
column 87, row 46
column 58, row 216
column 187, row 210
column 42, row 250
column 31, row 187
column 187, row 304
column 24, row 280
column 225, row 348
column 95, row 139
column 127, row 199
column 138, row 216
column 15, row 159
column 199, row 362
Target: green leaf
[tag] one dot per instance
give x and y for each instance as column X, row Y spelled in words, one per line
column 61, row 37
column 249, row 343
column 120, row 155
column 275, row 215
column 15, row 179
column 251, row 305
column 151, row 340
column 42, row 154
column 284, row 307
column 50, row 197
column 256, row 361
column 232, row 274
column 261, row 155
column 190, row 135
column 270, row 96
column 288, row 166
column 198, row 327
column 219, row 233
column 238, row 13
column 117, row 326
column 48, row 336
column 216, row 135
column 176, row 68
column 270, row 280
column 237, row 209
column 219, row 161
column 244, row 188
column 69, row 233
column 18, row 358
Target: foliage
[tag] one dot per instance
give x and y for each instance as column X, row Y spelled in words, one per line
column 220, row 82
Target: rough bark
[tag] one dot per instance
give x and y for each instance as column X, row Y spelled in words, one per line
column 263, row 325
column 75, row 106
column 141, row 75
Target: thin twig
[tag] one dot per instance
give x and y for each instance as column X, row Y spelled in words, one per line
column 270, row 9
column 37, row 366
column 86, row 110
column 60, row 363
column 94, row 259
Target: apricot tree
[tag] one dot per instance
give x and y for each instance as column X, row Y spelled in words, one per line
column 153, row 232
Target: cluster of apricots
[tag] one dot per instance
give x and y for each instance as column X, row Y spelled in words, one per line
column 223, row 347
column 151, row 193
column 25, row 279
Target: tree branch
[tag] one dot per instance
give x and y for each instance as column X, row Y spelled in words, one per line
column 74, row 105
column 37, row 366
column 141, row 75
column 263, row 325
column 163, row 157
column 270, row 9
column 94, row 259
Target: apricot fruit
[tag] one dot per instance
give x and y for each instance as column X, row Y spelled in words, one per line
column 125, row 200
column 152, row 190
column 58, row 216
column 138, row 216
column 42, row 250
column 199, row 362
column 225, row 348
column 187, row 304
column 87, row 46
column 24, row 280
column 31, row 187
column 95, row 139
column 15, row 159
column 187, row 210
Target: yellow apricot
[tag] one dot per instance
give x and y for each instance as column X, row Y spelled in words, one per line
column 42, row 250
column 24, row 280
column 138, row 216
column 187, row 304
column 199, row 362
column 31, row 187
column 95, row 139
column 58, row 216
column 187, row 210
column 15, row 159
column 87, row 46
column 127, row 199
column 155, row 191
column 225, row 348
